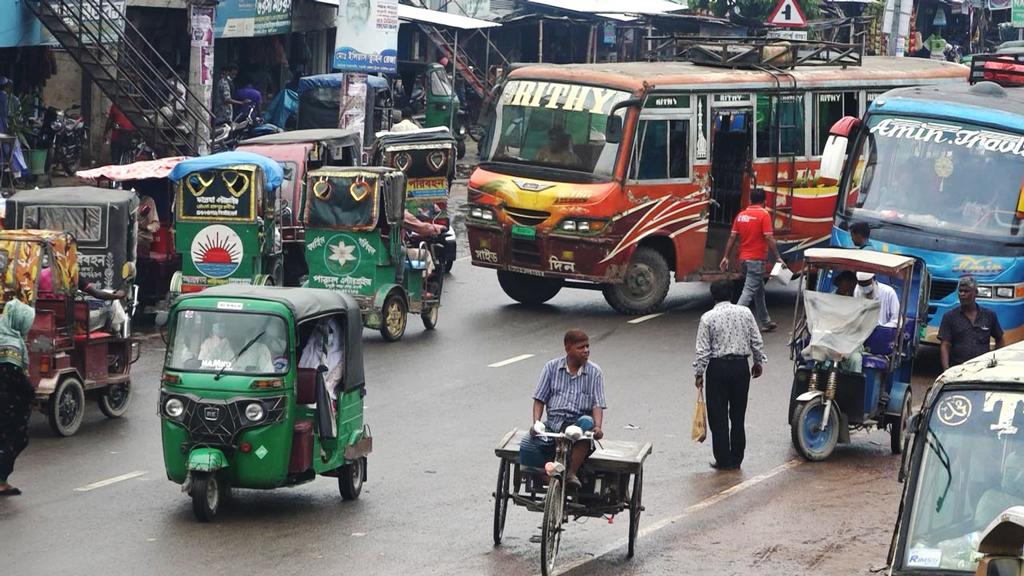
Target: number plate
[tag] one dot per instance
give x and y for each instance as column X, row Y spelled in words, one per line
column 523, row 232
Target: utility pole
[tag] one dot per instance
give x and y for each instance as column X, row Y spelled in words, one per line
column 202, row 16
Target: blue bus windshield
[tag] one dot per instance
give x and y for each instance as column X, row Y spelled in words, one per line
column 947, row 177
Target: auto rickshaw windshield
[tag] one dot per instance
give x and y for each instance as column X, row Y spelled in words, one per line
column 232, row 342
column 972, row 469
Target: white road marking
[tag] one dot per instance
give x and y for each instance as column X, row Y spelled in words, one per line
column 110, row 481
column 703, row 504
column 511, row 360
column 645, row 318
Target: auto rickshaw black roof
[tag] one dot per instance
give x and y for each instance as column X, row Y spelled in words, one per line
column 425, row 135
column 335, row 135
column 305, row 304
column 90, row 195
column 394, row 193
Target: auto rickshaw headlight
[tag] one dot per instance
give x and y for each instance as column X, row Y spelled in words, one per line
column 254, row 412
column 174, row 407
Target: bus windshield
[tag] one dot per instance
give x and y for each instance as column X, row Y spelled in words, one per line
column 972, row 469
column 950, row 177
column 228, row 342
column 555, row 125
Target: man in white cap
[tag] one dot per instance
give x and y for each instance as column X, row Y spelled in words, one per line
column 868, row 287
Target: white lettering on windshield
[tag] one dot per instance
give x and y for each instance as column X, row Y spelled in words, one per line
column 950, row 134
column 1007, row 410
column 560, row 96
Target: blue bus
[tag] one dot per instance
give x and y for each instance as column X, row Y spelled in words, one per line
column 938, row 174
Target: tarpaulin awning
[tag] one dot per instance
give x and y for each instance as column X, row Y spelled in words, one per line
column 160, row 168
column 414, row 14
column 614, row 9
column 273, row 174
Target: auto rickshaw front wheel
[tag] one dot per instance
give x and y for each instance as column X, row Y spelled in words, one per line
column 66, row 407
column 898, row 428
column 394, row 317
column 115, row 399
column 207, row 494
column 811, row 440
column 350, row 478
column 429, row 316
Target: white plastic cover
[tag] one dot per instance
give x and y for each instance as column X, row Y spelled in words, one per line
column 839, row 325
column 833, row 157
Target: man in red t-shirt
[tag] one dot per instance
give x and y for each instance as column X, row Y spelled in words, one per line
column 753, row 227
column 118, row 131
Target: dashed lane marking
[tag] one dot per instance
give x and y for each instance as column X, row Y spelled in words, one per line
column 511, row 360
column 689, row 510
column 645, row 318
column 110, row 481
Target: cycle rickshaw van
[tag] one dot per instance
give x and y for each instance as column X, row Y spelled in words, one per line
column 274, row 401
column 356, row 243
column 227, row 221
column 427, row 157
column 849, row 372
column 103, row 222
column 963, row 472
column 68, row 362
column 298, row 152
column 156, row 258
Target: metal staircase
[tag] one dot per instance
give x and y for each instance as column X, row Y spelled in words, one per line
column 476, row 76
column 129, row 71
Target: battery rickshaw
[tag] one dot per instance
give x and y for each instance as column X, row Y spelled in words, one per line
column 427, row 157
column 69, row 360
column 849, row 372
column 275, row 401
column 963, row 472
column 227, row 221
column 612, row 481
column 356, row 243
column 298, row 152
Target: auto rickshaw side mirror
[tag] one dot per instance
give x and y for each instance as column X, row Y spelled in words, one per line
column 1001, row 544
column 161, row 318
column 128, row 271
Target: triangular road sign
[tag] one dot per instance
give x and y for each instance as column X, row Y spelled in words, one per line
column 788, row 13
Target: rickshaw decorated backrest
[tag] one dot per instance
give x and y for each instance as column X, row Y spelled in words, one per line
column 354, row 198
column 23, row 254
column 224, row 186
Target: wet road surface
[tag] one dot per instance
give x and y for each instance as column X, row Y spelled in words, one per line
column 99, row 502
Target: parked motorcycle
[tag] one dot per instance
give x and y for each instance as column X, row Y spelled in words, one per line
column 69, row 136
column 248, row 124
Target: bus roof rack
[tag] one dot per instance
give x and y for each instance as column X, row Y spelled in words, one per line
column 755, row 53
column 1003, row 69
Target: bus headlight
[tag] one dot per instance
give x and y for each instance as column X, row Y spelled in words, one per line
column 174, row 407
column 581, row 226
column 254, row 412
column 984, row 291
column 481, row 213
column 1004, row 291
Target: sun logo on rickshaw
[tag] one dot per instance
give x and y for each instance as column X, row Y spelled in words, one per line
column 341, row 256
column 217, row 251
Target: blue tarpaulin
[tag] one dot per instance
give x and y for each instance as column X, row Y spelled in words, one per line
column 307, row 83
column 272, row 173
column 281, row 108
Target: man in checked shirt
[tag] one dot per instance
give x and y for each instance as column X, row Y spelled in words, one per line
column 570, row 387
column 726, row 337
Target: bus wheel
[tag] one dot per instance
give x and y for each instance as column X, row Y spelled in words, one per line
column 644, row 286
column 529, row 290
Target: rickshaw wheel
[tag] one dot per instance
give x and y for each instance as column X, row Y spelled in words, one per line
column 66, row 407
column 501, row 495
column 644, row 286
column 636, row 507
column 429, row 316
column 350, row 479
column 115, row 400
column 394, row 317
column 551, row 532
column 898, row 430
column 206, row 496
column 812, row 444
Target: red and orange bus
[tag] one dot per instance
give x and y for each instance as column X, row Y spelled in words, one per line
column 565, row 198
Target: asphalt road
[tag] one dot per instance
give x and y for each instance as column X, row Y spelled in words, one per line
column 437, row 410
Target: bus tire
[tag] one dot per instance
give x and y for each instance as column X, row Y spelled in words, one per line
column 644, row 286
column 529, row 290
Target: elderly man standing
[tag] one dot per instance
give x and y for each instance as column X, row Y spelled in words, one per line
column 967, row 330
column 726, row 337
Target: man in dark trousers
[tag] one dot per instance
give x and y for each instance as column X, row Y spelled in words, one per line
column 753, row 229
column 967, row 331
column 727, row 337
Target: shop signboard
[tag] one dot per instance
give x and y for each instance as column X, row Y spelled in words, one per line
column 273, row 17
column 1017, row 13
column 249, row 18
column 19, row 27
column 367, row 37
column 472, row 8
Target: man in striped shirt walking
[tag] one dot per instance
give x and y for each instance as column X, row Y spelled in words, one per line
column 570, row 387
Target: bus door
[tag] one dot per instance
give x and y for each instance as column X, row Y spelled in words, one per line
column 732, row 141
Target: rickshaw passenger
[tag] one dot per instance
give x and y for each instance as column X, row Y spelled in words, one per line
column 325, row 347
column 216, row 348
column 868, row 287
column 268, row 353
column 845, row 283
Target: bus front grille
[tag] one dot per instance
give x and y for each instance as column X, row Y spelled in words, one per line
column 525, row 252
column 527, row 217
column 941, row 288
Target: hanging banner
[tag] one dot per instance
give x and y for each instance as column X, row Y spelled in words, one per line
column 473, row 8
column 353, row 104
column 609, row 33
column 367, row 36
column 273, row 17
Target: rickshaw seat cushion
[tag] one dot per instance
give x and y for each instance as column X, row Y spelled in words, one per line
column 881, row 341
column 876, row 362
column 302, row 447
column 305, row 386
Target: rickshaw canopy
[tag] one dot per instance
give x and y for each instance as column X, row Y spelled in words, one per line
column 305, row 304
column 333, row 137
column 21, row 258
column 862, row 260
column 440, row 135
column 336, row 207
column 273, row 174
column 145, row 170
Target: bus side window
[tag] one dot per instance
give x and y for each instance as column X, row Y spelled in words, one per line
column 662, row 150
column 780, row 125
column 828, row 109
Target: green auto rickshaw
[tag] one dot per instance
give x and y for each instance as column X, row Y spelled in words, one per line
column 262, row 387
column 227, row 224
column 356, row 242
